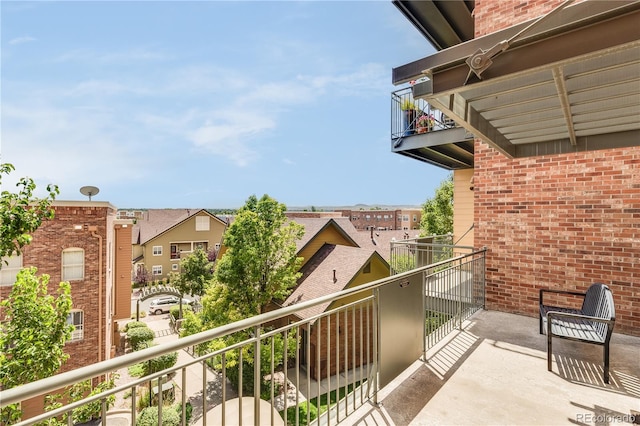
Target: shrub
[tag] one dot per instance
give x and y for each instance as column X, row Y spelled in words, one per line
column 302, row 413
column 160, row 363
column 139, row 337
column 142, row 314
column 175, row 310
column 134, row 324
column 189, row 409
column 142, row 400
column 149, row 417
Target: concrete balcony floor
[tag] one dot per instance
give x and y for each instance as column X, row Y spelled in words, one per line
column 494, row 372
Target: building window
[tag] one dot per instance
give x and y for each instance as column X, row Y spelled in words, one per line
column 157, row 250
column 10, row 269
column 174, row 267
column 76, row 318
column 202, row 223
column 405, row 218
column 156, row 270
column 72, row 264
column 175, row 253
column 415, row 218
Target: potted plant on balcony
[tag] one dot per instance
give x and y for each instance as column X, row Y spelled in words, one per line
column 425, row 123
column 408, row 116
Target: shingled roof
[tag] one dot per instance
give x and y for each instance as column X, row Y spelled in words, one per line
column 158, row 221
column 318, row 274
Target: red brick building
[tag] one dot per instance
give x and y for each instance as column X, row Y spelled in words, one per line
column 86, row 245
column 384, row 220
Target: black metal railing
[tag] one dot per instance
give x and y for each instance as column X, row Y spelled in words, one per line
column 411, row 116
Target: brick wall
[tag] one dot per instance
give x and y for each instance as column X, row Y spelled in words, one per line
column 494, row 15
column 45, row 253
column 561, row 221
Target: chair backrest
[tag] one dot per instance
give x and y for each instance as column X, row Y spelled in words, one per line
column 598, row 302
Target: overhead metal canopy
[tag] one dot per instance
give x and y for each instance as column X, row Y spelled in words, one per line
column 444, row 23
column 568, row 83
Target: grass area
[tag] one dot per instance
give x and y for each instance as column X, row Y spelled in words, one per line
column 316, row 406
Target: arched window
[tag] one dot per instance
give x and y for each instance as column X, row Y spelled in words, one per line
column 76, row 318
column 72, row 264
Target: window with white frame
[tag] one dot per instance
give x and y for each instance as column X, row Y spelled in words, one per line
column 202, row 223
column 156, row 270
column 415, row 218
column 72, row 264
column 10, row 267
column 157, row 250
column 174, row 267
column 76, row 318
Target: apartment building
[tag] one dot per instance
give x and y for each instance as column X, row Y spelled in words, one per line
column 384, row 220
column 88, row 247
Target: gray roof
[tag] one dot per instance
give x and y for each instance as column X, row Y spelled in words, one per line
column 317, row 275
column 157, row 221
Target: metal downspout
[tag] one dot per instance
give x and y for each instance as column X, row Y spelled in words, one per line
column 93, row 230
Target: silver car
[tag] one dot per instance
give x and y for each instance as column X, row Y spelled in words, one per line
column 164, row 304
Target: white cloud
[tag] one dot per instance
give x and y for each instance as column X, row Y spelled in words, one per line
column 230, row 135
column 22, row 40
column 124, row 56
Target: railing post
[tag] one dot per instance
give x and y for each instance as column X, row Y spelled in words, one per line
column 424, row 313
column 256, row 377
column 376, row 354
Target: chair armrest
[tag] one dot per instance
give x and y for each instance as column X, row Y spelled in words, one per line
column 552, row 314
column 571, row 293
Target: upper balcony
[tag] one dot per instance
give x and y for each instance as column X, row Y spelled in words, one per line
column 419, row 131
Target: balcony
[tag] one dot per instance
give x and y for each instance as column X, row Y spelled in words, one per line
column 414, row 348
column 441, row 143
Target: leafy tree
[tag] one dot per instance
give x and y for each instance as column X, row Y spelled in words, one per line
column 142, row 277
column 21, row 213
column 437, row 212
column 195, row 272
column 33, row 335
column 260, row 263
column 35, row 330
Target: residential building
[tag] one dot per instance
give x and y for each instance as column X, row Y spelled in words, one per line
column 88, row 247
column 541, row 128
column 335, row 257
column 161, row 237
column 384, row 220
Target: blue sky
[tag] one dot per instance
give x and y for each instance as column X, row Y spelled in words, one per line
column 202, row 104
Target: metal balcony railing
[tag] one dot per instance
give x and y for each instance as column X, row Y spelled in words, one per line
column 411, row 116
column 340, row 348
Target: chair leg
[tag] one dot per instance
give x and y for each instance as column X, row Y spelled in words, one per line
column 540, row 321
column 549, row 348
column 606, row 363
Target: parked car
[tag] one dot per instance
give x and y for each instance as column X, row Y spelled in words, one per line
column 164, row 304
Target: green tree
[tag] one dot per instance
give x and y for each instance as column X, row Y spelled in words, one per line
column 260, row 265
column 437, row 212
column 195, row 273
column 21, row 213
column 261, row 262
column 35, row 329
column 33, row 335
